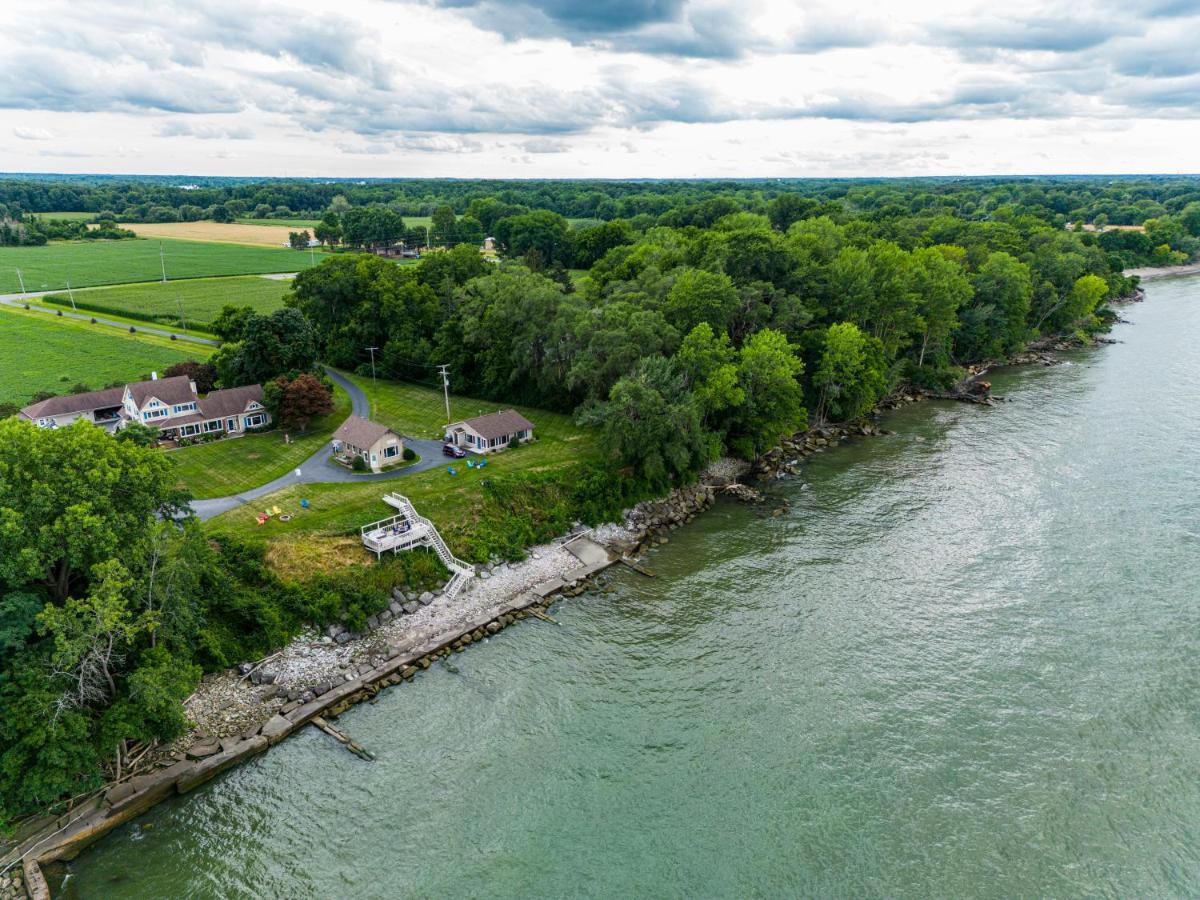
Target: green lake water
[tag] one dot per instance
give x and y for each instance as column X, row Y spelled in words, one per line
column 965, row 663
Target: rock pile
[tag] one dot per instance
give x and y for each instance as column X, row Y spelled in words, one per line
column 648, row 523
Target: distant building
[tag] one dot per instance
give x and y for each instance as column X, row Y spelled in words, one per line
column 495, row 431
column 376, row 444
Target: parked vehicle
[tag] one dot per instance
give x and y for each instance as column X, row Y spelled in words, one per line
column 453, row 450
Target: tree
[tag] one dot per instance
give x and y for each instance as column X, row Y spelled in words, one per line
column 231, row 321
column 774, row 401
column 708, row 365
column 852, row 374
column 443, row 224
column 996, row 321
column 296, row 402
column 71, row 498
column 271, row 345
column 329, row 230
column 941, row 288
column 788, row 208
column 139, row 433
column 298, row 240
column 698, row 296
column 204, row 374
column 540, row 230
column 92, row 635
column 652, row 424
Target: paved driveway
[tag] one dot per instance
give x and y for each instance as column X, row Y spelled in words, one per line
column 320, row 469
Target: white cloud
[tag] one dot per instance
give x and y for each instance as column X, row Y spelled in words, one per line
column 630, row 87
column 32, row 134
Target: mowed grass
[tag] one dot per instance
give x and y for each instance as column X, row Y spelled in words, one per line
column 90, row 263
column 43, row 353
column 67, row 216
column 450, row 501
column 199, row 299
column 292, row 224
column 238, row 464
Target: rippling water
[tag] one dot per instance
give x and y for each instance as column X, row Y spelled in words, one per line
column 963, row 664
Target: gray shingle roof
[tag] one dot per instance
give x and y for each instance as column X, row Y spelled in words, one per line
column 360, row 432
column 73, row 403
column 230, row 401
column 177, row 389
column 498, row 424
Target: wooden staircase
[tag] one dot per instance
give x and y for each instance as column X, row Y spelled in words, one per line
column 427, row 535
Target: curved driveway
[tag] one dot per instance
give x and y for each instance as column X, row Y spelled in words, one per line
column 320, row 469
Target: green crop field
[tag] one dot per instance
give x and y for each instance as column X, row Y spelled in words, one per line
column 89, row 263
column 68, row 216
column 289, row 222
column 448, row 500
column 40, row 353
column 238, row 464
column 198, row 300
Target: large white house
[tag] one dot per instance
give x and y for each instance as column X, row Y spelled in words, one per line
column 495, row 431
column 169, row 404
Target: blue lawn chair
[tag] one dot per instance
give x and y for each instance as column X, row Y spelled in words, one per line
column 452, row 470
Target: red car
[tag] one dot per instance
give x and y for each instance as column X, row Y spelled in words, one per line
column 453, row 450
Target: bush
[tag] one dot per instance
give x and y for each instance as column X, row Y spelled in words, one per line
column 409, row 454
column 359, row 464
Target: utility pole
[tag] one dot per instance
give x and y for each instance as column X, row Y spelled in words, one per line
column 372, row 350
column 71, row 294
column 444, row 370
column 22, row 280
column 162, row 261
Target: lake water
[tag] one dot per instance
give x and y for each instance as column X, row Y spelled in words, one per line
column 965, row 663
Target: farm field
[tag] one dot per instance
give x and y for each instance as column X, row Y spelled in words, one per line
column 88, row 264
column 38, row 353
column 291, row 224
column 263, row 234
column 67, row 216
column 448, row 500
column 200, row 299
column 238, row 464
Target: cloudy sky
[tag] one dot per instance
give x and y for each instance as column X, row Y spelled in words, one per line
column 600, row 88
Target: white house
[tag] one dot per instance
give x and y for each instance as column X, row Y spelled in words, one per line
column 376, row 444
column 173, row 406
column 495, row 431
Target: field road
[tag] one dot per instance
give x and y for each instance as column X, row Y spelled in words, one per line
column 20, row 300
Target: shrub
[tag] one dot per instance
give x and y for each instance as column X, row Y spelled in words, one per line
column 359, row 464
column 409, row 454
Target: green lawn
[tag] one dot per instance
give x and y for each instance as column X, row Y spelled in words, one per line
column 449, row 500
column 39, row 352
column 201, row 299
column 89, row 263
column 238, row 464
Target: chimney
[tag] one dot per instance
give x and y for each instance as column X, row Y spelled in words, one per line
column 154, row 376
column 192, row 385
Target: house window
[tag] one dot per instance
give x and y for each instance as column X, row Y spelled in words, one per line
column 154, row 414
column 189, row 430
column 389, row 452
column 214, row 425
column 254, row 421
column 183, row 407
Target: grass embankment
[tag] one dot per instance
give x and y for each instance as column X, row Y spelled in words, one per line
column 237, row 464
column 200, row 299
column 455, row 503
column 90, row 263
column 40, row 353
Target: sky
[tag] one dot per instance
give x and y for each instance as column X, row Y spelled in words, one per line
column 607, row 88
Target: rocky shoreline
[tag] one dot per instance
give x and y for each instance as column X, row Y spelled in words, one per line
column 239, row 713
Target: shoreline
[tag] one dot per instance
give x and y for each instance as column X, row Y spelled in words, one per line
column 239, row 714
column 1149, row 273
